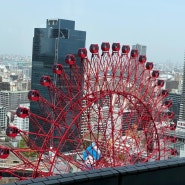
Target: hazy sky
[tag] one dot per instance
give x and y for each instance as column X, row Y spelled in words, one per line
column 158, row 24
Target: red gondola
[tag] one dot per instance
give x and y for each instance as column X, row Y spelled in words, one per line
column 57, row 69
column 168, row 103
column 115, row 47
column 12, row 131
column 125, row 49
column 173, row 126
column 173, row 151
column 94, row 48
column 142, row 59
column 4, row 152
column 170, row 115
column 33, row 95
column 160, row 83
column 82, row 53
column 172, row 139
column 22, row 112
column 134, row 53
column 105, row 46
column 45, row 81
column 149, row 65
column 70, row 59
column 164, row 92
column 155, row 73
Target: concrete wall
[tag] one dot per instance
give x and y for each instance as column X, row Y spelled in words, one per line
column 169, row 172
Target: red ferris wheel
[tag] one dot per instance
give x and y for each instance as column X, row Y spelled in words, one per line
column 107, row 111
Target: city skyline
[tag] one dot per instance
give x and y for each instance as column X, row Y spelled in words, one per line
column 110, row 104
column 156, row 24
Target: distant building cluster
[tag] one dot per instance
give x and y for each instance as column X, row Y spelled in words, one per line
column 174, row 78
column 50, row 45
column 15, row 82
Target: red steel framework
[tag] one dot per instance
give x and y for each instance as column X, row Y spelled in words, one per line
column 108, row 111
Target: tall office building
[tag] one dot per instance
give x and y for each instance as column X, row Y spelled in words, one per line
column 176, row 99
column 50, row 46
column 141, row 49
column 182, row 104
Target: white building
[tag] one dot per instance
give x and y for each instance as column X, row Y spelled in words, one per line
column 11, row 99
column 3, row 118
column 20, row 123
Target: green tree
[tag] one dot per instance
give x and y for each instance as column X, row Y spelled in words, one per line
column 22, row 144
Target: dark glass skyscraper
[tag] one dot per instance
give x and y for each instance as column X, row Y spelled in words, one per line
column 50, row 46
column 182, row 104
column 176, row 100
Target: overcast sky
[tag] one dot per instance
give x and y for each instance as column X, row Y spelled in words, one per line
column 158, row 24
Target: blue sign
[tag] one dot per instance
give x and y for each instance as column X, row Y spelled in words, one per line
column 92, row 151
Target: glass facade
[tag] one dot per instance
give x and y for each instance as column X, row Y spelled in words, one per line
column 175, row 98
column 51, row 45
